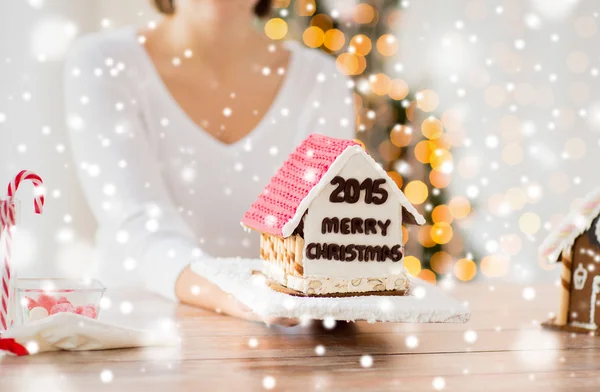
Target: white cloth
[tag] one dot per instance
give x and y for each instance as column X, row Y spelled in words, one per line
column 72, row 332
column 164, row 191
column 425, row 304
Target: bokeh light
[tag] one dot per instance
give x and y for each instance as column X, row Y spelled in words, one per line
column 397, row 178
column 305, row 7
column 439, row 179
column 460, row 207
column 427, row 275
column 495, row 266
column 334, row 40
column 424, row 236
column 387, row 45
column 412, row 265
column 360, row 44
column 441, row 262
column 465, row 269
column 364, row 13
column 416, row 192
column 401, row 135
column 441, row 233
column 442, row 213
column 423, row 150
column 432, row 128
column 276, row 28
column 398, row 89
column 313, row 37
column 347, row 63
column 380, row 83
column 427, row 100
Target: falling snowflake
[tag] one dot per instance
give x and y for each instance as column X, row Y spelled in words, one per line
column 320, row 350
column 310, row 175
column 253, row 342
column 269, row 382
column 438, row 383
column 329, row 323
column 470, row 336
column 126, row 307
column 270, row 220
column 529, row 293
column 106, row 376
column 411, row 341
column 366, row 361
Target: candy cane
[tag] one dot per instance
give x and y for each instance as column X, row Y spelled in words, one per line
column 7, row 221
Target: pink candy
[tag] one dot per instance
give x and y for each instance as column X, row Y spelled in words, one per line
column 46, row 301
column 60, row 305
column 87, row 311
column 31, row 303
column 59, row 308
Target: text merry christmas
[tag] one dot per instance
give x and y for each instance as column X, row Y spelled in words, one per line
column 351, row 191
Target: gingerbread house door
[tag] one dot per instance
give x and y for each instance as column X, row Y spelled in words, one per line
column 585, row 282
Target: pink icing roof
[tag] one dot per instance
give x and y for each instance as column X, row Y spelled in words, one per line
column 304, row 168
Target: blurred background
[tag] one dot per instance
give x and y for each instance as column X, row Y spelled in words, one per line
column 485, row 112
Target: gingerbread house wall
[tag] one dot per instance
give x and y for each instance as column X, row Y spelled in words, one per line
column 286, row 253
column 585, row 255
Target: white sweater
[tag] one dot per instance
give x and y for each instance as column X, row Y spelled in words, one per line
column 163, row 190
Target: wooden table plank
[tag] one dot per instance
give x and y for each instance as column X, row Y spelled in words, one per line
column 510, row 351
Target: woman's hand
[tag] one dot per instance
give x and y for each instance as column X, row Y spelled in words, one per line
column 192, row 289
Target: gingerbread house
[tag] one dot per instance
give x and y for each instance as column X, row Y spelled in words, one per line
column 330, row 222
column 576, row 244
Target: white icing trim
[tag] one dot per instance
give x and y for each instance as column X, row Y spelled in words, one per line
column 556, row 242
column 584, row 325
column 334, row 169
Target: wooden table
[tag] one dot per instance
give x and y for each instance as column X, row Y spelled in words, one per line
column 502, row 348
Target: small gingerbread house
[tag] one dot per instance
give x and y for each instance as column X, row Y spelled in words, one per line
column 331, row 222
column 576, row 243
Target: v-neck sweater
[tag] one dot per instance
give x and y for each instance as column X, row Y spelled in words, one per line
column 165, row 192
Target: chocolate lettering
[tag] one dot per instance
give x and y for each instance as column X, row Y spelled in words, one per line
column 311, row 253
column 378, row 190
column 385, row 253
column 335, row 196
column 384, row 226
column 396, row 253
column 330, row 225
column 367, row 186
column 345, row 226
column 356, row 226
column 361, row 252
column 373, row 253
column 370, row 226
column 352, row 191
column 334, row 252
column 351, row 252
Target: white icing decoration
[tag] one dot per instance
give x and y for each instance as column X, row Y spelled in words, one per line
column 357, row 167
column 595, row 291
column 579, row 277
column 334, row 169
column 557, row 241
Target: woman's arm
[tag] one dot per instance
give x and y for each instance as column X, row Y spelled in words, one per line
column 120, row 175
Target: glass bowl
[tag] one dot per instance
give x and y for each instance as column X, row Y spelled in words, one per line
column 36, row 299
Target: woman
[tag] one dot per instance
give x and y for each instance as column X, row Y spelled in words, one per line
column 175, row 130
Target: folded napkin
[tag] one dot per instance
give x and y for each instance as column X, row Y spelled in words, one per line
column 73, row 332
column 426, row 304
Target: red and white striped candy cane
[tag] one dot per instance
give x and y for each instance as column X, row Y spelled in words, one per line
column 7, row 221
